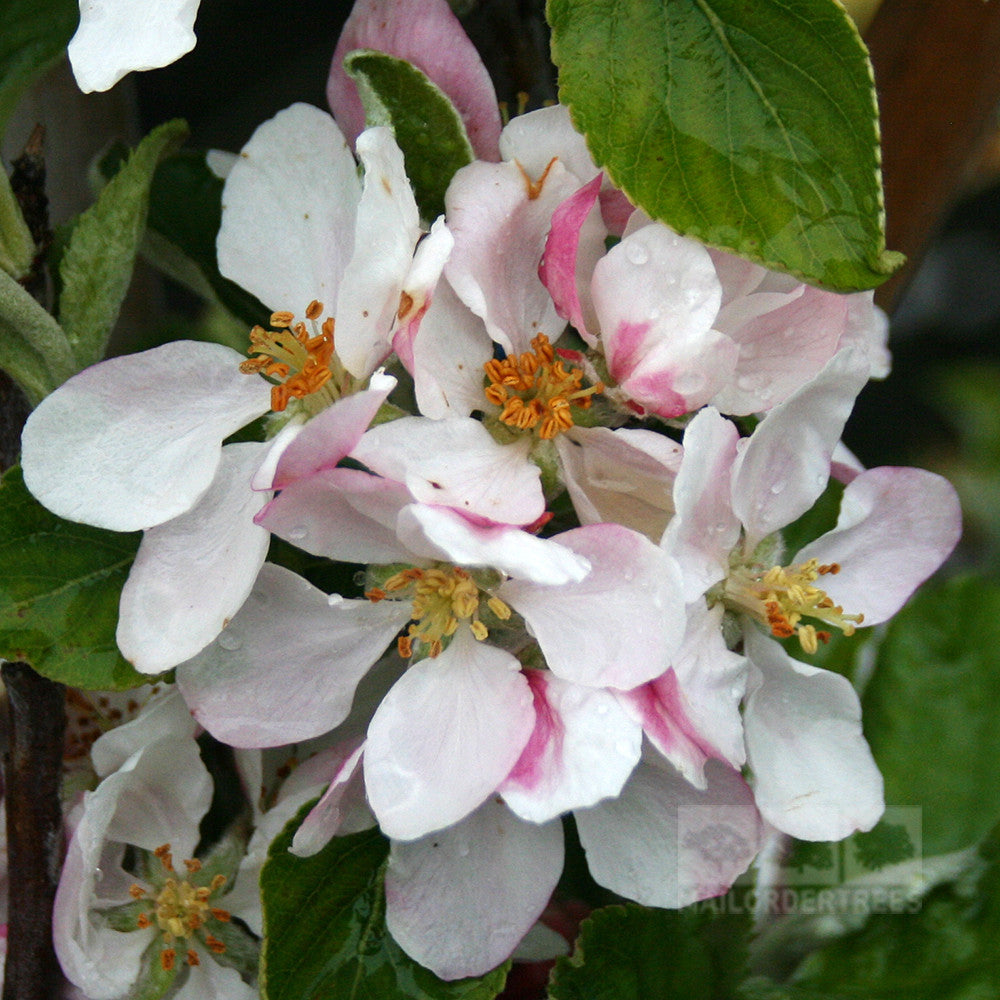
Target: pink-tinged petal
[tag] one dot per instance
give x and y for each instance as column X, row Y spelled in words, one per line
column 782, row 349
column 867, row 328
column 656, row 295
column 439, row 533
column 427, row 34
column 115, row 38
column 622, row 476
column 814, row 776
column 664, row 843
column 135, row 441
column 445, row 736
column 341, row 514
column 571, row 254
column 704, row 529
column 419, row 287
column 691, row 714
column 342, row 809
column 845, row 465
column 449, row 351
column 582, row 750
column 331, row 434
column 460, row 900
column 192, row 574
column 784, row 465
column 387, row 229
column 579, row 624
column 286, row 667
column 456, row 463
column 741, row 277
column 500, row 218
column 295, row 186
column 896, row 527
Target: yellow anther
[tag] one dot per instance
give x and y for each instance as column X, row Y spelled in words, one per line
column 535, row 392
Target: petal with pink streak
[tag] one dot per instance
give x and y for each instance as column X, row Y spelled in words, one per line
column 386, row 232
column 624, row 475
column 192, row 574
column 456, row 463
column 574, row 245
column 583, row 748
column 579, row 625
column 500, row 218
column 664, row 843
column 295, row 185
column 341, row 514
column 427, row 34
column 784, row 466
column 896, row 527
column 704, row 529
column 331, row 434
column 286, row 667
column 449, row 351
column 781, row 349
column 458, row 901
column 656, row 296
column 445, row 736
column 439, row 533
column 814, row 776
column 135, row 441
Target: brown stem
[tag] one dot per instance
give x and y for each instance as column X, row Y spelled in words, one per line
column 32, row 775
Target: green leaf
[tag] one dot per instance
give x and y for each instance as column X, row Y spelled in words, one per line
column 750, row 126
column 638, row 953
column 427, row 127
column 60, row 584
column 33, row 35
column 949, row 949
column 930, row 711
column 97, row 266
column 34, row 350
column 324, row 929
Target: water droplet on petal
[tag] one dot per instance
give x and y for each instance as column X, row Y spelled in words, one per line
column 636, row 253
column 689, row 383
column 778, row 486
column 297, row 533
column 230, row 641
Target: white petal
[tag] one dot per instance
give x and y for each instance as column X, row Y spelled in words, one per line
column 135, row 441
column 445, row 736
column 118, row 36
column 896, row 527
column 814, row 776
column 582, row 750
column 664, row 843
column 439, row 533
column 288, row 211
column 704, row 530
column 784, row 465
column 287, row 666
column 211, row 981
column 456, row 463
column 625, row 476
column 579, row 624
column 387, row 230
column 459, row 901
column 192, row 574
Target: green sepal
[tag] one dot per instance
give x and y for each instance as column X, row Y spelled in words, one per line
column 60, row 583
column 17, row 248
column 96, row 268
column 324, row 929
column 427, row 127
column 751, row 127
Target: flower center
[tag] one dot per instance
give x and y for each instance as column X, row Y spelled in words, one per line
column 443, row 598
column 535, row 391
column 303, row 366
column 782, row 596
column 181, row 910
